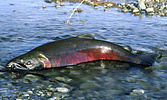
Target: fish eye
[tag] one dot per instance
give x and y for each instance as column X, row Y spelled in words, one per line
column 28, row 63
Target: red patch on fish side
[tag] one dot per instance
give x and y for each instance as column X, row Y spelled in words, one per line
column 68, row 59
column 86, row 55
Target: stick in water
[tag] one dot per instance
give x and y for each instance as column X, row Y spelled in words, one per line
column 68, row 21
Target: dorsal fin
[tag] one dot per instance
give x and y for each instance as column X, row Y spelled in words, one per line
column 87, row 36
column 127, row 48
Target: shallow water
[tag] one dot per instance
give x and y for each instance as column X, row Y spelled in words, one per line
column 24, row 25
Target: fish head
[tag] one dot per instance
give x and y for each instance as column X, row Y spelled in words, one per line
column 29, row 61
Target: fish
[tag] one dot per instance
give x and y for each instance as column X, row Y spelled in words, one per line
column 76, row 50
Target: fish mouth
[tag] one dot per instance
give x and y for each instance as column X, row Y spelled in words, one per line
column 14, row 65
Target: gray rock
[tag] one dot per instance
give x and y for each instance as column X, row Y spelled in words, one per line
column 110, row 5
column 135, row 10
column 62, row 89
column 141, row 5
column 150, row 10
column 89, row 85
column 30, row 78
column 137, row 92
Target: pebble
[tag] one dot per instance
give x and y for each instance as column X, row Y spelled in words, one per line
column 135, row 10
column 54, row 98
column 137, row 92
column 48, row 94
column 109, row 5
column 62, row 89
column 30, row 78
column 96, row 7
column 149, row 10
column 44, row 6
column 141, row 5
column 52, row 89
column 30, row 92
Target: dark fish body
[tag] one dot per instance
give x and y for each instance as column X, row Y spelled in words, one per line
column 76, row 50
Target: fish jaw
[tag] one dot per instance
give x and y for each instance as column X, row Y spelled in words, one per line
column 16, row 66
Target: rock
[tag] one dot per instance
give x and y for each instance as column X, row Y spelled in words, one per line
column 109, row 5
column 91, row 3
column 30, row 78
column 30, row 92
column 48, row 1
column 123, row 4
column 54, row 98
column 58, row 5
column 79, row 10
column 62, row 89
column 44, row 6
column 26, row 95
column 52, row 89
column 141, row 5
column 137, row 92
column 161, row 13
column 96, row 7
column 150, row 10
column 135, row 10
column 125, row 10
column 48, row 94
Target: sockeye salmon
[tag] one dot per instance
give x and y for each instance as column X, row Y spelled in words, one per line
column 76, row 50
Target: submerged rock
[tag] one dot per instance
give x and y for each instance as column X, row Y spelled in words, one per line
column 62, row 89
column 137, row 92
column 30, row 78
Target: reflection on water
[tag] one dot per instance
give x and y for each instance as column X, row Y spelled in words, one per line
column 24, row 25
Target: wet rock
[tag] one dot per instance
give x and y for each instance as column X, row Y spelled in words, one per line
column 62, row 89
column 136, row 10
column 52, row 89
column 26, row 95
column 54, row 98
column 48, row 94
column 57, row 6
column 40, row 93
column 149, row 10
column 141, row 5
column 30, row 92
column 3, row 76
column 89, row 85
column 30, row 78
column 48, row 1
column 66, row 86
column 109, row 5
column 137, row 92
column 163, row 59
column 79, row 10
column 96, row 7
column 125, row 10
column 43, row 6
column 91, row 3
column 161, row 66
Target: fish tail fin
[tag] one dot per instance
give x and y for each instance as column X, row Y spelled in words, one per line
column 148, row 59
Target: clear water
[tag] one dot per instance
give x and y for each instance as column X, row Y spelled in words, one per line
column 24, row 25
